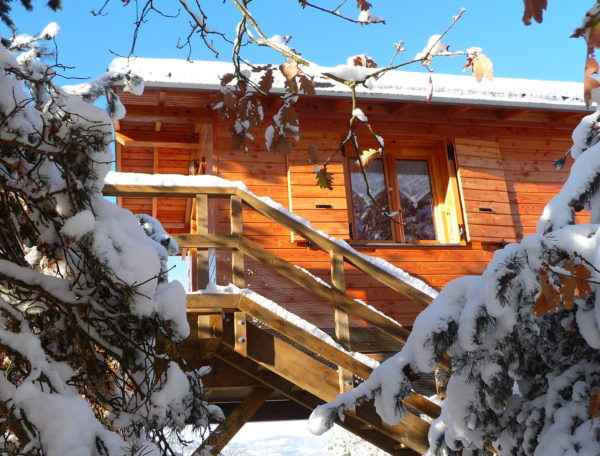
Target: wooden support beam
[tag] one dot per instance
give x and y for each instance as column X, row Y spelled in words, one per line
column 201, row 272
column 155, row 170
column 300, row 369
column 220, row 437
column 212, row 302
column 143, row 138
column 238, row 272
column 309, row 401
column 341, row 319
column 209, row 325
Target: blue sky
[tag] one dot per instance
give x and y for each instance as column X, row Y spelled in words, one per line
column 540, row 51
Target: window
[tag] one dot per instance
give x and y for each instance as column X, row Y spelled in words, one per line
column 413, row 183
column 369, row 203
column 411, row 197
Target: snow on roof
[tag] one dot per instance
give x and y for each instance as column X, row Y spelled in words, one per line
column 394, row 85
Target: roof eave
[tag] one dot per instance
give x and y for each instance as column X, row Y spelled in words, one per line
column 538, row 105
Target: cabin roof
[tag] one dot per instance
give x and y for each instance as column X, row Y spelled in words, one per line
column 394, row 85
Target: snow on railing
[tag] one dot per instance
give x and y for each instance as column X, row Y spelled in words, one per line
column 117, row 183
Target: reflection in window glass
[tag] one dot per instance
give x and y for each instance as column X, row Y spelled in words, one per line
column 416, row 199
column 370, row 221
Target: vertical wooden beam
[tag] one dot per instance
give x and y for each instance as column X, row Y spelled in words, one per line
column 155, row 170
column 238, row 273
column 240, row 333
column 209, row 326
column 221, row 436
column 119, row 165
column 341, row 319
column 201, row 227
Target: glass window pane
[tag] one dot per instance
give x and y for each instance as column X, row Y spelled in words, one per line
column 416, row 199
column 370, row 219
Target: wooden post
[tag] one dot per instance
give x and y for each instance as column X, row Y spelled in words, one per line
column 238, row 272
column 201, row 227
column 155, row 170
column 220, row 437
column 341, row 319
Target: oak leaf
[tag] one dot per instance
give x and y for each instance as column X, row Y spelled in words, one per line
column 266, row 81
column 534, row 9
column 362, row 60
column 324, row 178
column 589, row 81
column 589, row 28
column 548, row 300
column 306, row 85
column 363, row 5
column 290, row 70
column 227, row 78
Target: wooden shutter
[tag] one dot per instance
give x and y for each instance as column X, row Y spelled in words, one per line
column 483, row 184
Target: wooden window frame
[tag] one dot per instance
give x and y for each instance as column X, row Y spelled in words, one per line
column 448, row 216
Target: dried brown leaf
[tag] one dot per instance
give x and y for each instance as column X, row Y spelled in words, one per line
column 266, row 81
column 482, row 67
column 290, row 116
column 364, row 60
column 229, row 100
column 583, row 280
column 307, row 85
column 589, row 82
column 548, row 300
column 227, row 78
column 363, row 5
column 534, row 9
column 324, row 178
column 290, row 70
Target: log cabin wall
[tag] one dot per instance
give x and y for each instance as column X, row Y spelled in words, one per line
column 503, row 158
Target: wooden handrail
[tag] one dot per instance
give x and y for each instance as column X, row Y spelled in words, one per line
column 320, row 240
column 299, row 277
column 327, row 244
column 169, row 191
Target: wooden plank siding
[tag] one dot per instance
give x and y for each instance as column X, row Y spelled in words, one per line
column 504, row 165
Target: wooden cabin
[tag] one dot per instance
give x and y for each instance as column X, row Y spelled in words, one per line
column 464, row 174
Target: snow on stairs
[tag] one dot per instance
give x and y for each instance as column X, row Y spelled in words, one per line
column 282, row 352
column 302, row 363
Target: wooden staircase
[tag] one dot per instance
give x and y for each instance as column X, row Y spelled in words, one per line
column 286, row 357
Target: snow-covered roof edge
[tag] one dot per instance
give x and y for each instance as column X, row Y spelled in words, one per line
column 394, row 85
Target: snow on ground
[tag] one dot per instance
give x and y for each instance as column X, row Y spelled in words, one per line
column 292, row 438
